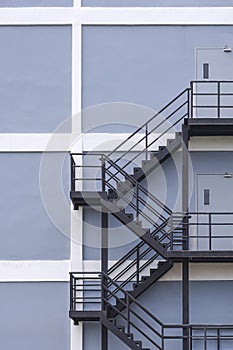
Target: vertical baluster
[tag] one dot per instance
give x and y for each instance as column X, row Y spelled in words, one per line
column 72, row 173
column 137, row 202
column 171, row 231
column 137, row 265
column 188, row 103
column 128, row 313
column 191, row 339
column 103, row 173
column 218, row 339
column 191, row 107
column 162, row 345
column 146, row 141
column 71, row 293
column 205, row 338
column 210, row 232
column 219, row 100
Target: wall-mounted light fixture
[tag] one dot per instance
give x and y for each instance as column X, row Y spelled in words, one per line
column 227, row 48
column 227, row 175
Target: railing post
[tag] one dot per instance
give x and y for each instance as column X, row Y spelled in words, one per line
column 205, row 338
column 103, row 175
column 71, row 293
column 128, row 313
column 191, row 338
column 218, row 340
column 146, row 141
column 172, row 232
column 188, row 103
column 191, row 97
column 218, row 111
column 210, row 232
column 72, row 173
column 137, row 202
column 162, row 347
column 137, row 264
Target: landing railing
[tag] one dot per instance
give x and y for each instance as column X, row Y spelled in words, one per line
column 96, row 291
column 205, row 231
column 132, row 195
column 211, row 99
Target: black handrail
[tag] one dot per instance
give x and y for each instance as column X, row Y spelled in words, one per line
column 148, row 121
column 186, row 114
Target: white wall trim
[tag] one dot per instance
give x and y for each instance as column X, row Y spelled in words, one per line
column 103, row 142
column 34, row 270
column 117, row 16
column 35, row 142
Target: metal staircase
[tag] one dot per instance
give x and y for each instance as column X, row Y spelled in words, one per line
column 133, row 323
column 111, row 296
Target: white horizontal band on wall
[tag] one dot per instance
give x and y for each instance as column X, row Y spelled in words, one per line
column 58, row 271
column 118, row 16
column 102, row 142
column 34, row 271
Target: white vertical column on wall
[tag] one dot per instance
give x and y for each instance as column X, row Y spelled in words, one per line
column 77, row 3
column 76, row 216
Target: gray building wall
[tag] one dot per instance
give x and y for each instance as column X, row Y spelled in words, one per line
column 26, row 230
column 156, row 3
column 145, row 65
column 35, row 69
column 37, row 3
column 34, row 316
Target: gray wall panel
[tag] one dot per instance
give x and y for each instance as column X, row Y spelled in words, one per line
column 34, row 316
column 26, row 229
column 35, row 69
column 156, row 3
column 121, row 239
column 37, row 3
column 146, row 65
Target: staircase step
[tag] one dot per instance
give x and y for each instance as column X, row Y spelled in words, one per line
column 124, row 186
column 144, row 163
column 144, row 278
column 153, row 154
column 169, row 141
column 112, row 194
column 121, row 328
column 130, row 216
column 121, row 301
column 136, row 169
column 113, row 321
column 138, row 343
column 130, row 336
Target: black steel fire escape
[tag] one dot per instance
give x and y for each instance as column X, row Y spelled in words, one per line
column 110, row 296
